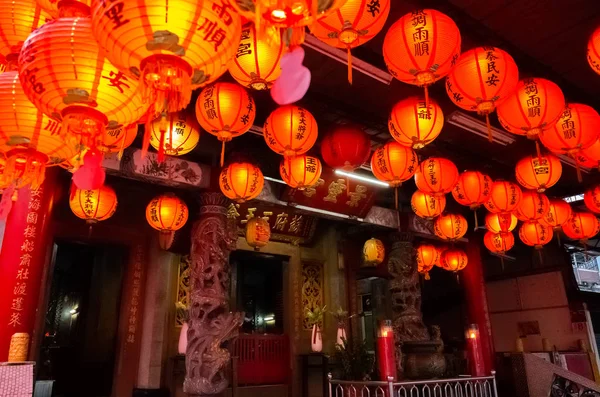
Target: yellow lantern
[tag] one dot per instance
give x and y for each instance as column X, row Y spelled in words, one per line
column 93, row 205
column 166, row 213
column 258, row 233
column 373, row 253
column 179, row 132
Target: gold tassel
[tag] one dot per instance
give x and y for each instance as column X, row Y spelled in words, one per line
column 489, row 128
column 349, row 66
column 222, row 153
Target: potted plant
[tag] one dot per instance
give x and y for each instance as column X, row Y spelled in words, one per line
column 356, row 363
column 315, row 318
column 340, row 316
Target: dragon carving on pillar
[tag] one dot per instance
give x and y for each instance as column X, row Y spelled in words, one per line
column 211, row 324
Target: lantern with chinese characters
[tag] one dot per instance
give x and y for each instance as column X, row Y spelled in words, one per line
column 300, row 172
column 534, row 206
column 427, row 206
column 581, row 226
column 394, row 163
column 373, row 253
column 346, row 147
column 473, row 189
column 290, row 130
column 591, row 198
column 171, row 47
column 258, row 233
column 18, row 19
column 499, row 243
column 28, row 138
column 428, row 256
column 534, row 106
column 353, row 24
column 256, row 62
column 506, row 197
column 559, row 212
column 241, row 182
column 225, row 110
column 116, row 139
column 421, row 47
column 482, row 78
column 66, row 8
column 454, row 260
column 501, row 223
column 166, row 213
column 593, row 51
column 450, row 226
column 93, row 205
column 436, row 176
column 535, row 234
column 177, row 137
column 538, row 172
column 589, row 157
column 411, row 123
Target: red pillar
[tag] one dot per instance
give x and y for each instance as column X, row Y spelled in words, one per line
column 22, row 260
column 476, row 298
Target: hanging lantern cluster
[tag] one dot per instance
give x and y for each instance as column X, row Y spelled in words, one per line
column 167, row 213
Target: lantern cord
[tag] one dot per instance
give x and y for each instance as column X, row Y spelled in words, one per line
column 396, row 197
column 489, row 128
column 538, row 151
column 476, row 220
column 349, row 66
column 539, row 250
column 577, row 167
column 425, row 87
column 222, row 153
column 558, row 238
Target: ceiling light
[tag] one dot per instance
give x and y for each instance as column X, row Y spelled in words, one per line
column 325, row 212
column 268, row 178
column 480, row 128
column 361, row 178
column 573, row 199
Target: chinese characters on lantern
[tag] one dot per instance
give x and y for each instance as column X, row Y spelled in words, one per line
column 533, row 100
column 134, row 314
column 492, row 71
column 420, row 33
column 212, row 33
column 567, row 124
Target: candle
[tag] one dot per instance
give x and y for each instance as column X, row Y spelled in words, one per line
column 474, row 351
column 386, row 352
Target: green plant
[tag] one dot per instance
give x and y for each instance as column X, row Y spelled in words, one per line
column 315, row 316
column 355, row 361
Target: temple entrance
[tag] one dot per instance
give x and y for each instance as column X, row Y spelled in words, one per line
column 80, row 334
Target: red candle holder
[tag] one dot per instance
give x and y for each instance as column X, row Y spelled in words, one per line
column 474, row 352
column 386, row 350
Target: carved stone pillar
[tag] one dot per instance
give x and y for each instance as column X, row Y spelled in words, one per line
column 211, row 324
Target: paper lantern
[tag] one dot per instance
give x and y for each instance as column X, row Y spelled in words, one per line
column 117, row 139
column 559, row 212
column 538, row 172
column 241, row 181
column 290, row 130
column 353, row 24
column 225, row 110
column 481, row 79
column 346, row 147
column 505, row 197
column 421, row 47
column 498, row 243
column 450, row 226
column 427, row 206
column 167, row 213
column 93, row 205
column 436, row 176
column 589, row 157
column 534, row 206
column 501, row 223
column 454, row 260
column 28, row 138
column 171, row 47
column 581, row 226
column 593, row 51
column 300, row 172
column 427, row 256
column 179, row 133
column 256, row 62
column 535, row 234
column 394, row 163
column 66, row 8
column 258, row 233
column 591, row 198
column 373, row 252
column 413, row 124
column 473, row 189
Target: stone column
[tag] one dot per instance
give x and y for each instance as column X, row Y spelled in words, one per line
column 211, row 323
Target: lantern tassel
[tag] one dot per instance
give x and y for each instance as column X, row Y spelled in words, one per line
column 489, row 128
column 426, row 89
column 349, row 66
column 502, row 263
column 222, row 153
column 476, row 220
column 90, row 231
column 539, row 250
column 396, row 197
column 147, row 130
column 427, row 277
column 538, row 151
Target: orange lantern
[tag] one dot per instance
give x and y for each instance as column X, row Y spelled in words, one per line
column 506, row 197
column 501, row 223
column 346, row 147
column 534, row 206
column 428, row 256
column 241, row 181
column 591, row 198
column 421, row 47
column 436, row 176
column 535, row 106
column 472, row 189
column 66, row 8
column 538, row 172
column 450, row 226
column 28, row 138
column 225, row 110
column 454, row 260
column 172, row 48
column 581, row 226
column 498, row 243
column 166, row 213
column 559, row 212
column 117, row 139
column 18, row 19
column 353, row 24
column 535, row 234
column 256, row 63
column 589, row 157
column 93, row 205
column 258, row 233
column 179, row 133
column 394, row 163
column 482, row 78
column 300, row 172
column 290, row 130
column 411, row 123
column 427, row 206
column 593, row 51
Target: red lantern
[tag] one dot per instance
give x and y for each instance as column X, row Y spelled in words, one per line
column 290, row 130
column 18, row 19
column 534, row 206
column 346, row 147
column 482, row 78
column 428, row 256
column 581, row 226
column 505, row 197
column 454, row 260
column 427, row 206
column 450, row 226
column 589, row 157
column 501, row 223
column 411, row 123
column 538, row 172
column 593, row 51
column 472, row 189
column 166, row 213
column 394, row 163
column 535, row 234
column 591, row 198
column 559, row 212
column 498, row 243
column 436, row 176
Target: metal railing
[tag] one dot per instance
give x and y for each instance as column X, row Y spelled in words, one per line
column 484, row 386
